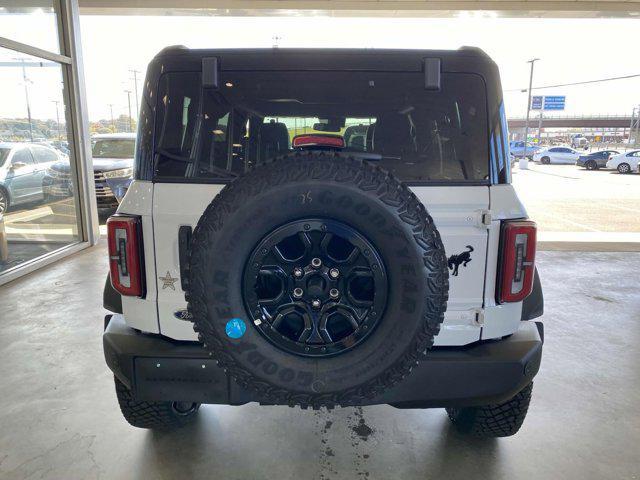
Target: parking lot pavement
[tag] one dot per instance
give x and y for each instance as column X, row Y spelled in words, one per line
column 565, row 198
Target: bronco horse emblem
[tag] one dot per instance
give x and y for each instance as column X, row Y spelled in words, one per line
column 463, row 258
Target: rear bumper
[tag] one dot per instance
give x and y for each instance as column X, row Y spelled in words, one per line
column 156, row 368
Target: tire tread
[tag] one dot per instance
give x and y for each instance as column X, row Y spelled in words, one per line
column 501, row 420
column 152, row 415
column 337, row 167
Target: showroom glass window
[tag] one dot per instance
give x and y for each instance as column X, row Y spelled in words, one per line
column 38, row 199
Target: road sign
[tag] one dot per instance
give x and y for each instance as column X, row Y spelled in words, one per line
column 536, row 102
column 556, row 102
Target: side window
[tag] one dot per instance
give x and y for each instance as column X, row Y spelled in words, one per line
column 22, row 156
column 219, row 152
column 555, row 149
column 43, row 155
column 177, row 113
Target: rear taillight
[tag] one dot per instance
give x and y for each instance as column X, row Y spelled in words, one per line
column 518, row 252
column 125, row 254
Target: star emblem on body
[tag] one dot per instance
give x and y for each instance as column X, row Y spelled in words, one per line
column 168, row 281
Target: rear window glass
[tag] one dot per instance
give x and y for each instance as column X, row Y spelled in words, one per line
column 388, row 118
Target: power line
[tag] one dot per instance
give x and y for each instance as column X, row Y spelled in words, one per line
column 574, row 83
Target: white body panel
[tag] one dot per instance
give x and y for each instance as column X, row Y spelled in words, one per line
column 142, row 313
column 458, row 212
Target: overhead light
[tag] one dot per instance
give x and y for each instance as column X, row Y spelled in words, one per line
column 228, row 84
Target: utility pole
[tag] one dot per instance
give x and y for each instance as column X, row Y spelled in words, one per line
column 135, row 88
column 128, row 92
column 57, row 118
column 637, row 120
column 524, row 161
column 540, row 125
column 113, row 124
column 25, row 80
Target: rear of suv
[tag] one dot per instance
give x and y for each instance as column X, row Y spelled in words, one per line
column 323, row 228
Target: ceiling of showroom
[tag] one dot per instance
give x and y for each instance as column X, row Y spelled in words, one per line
column 386, row 8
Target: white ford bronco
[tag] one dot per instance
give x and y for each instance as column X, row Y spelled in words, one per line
column 323, row 228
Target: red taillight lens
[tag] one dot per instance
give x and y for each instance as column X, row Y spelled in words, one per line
column 518, row 255
column 125, row 254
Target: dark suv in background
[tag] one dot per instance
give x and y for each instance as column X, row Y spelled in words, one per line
column 112, row 169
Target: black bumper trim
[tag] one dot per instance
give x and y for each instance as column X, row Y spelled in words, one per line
column 158, row 368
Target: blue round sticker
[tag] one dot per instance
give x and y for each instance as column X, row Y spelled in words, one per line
column 235, row 328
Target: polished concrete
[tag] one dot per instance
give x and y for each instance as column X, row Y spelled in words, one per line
column 59, row 418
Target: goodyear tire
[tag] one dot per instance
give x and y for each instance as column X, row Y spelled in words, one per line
column 490, row 421
column 398, row 278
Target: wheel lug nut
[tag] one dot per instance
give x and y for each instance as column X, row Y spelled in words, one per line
column 298, row 292
column 316, row 263
column 298, row 272
column 334, row 273
column 334, row 293
column 316, row 303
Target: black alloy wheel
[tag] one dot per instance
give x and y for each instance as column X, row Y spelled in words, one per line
column 321, row 287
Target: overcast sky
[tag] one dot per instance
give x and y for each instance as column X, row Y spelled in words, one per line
column 569, row 49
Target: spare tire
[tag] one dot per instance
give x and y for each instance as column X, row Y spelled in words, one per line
column 317, row 280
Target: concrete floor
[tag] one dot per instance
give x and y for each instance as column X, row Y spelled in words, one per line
column 59, row 418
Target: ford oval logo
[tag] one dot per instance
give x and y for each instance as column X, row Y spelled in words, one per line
column 183, row 315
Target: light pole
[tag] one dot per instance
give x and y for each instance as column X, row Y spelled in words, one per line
column 128, row 92
column 524, row 161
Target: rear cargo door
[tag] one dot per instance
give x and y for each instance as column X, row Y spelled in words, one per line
column 459, row 214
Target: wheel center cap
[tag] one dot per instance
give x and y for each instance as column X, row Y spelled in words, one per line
column 316, row 286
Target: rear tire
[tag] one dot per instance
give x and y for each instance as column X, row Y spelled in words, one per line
column 154, row 415
column 591, row 165
column 501, row 420
column 624, row 168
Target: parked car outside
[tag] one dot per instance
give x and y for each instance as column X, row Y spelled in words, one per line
column 517, row 149
column 112, row 169
column 560, row 155
column 626, row 162
column 22, row 168
column 595, row 160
